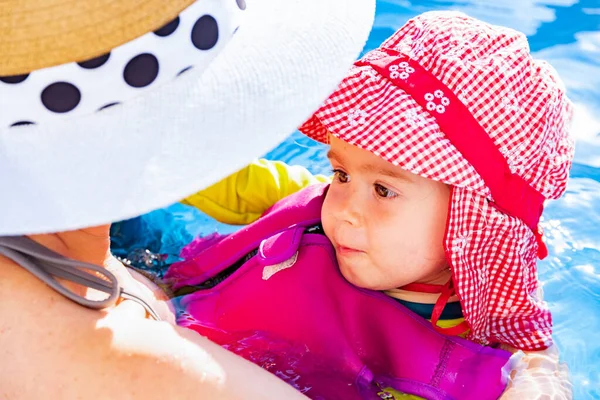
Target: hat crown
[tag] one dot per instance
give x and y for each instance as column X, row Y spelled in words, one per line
column 520, row 102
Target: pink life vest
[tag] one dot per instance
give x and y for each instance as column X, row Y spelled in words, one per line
column 272, row 293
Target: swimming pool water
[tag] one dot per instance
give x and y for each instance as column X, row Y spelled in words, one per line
column 567, row 34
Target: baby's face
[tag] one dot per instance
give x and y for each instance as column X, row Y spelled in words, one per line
column 387, row 225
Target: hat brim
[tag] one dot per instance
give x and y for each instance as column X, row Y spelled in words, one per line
column 156, row 149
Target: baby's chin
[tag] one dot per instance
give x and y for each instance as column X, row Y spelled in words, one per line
column 364, row 276
column 361, row 277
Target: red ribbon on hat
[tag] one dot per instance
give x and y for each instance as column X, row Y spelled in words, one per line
column 511, row 193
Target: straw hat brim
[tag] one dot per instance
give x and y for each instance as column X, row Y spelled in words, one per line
column 181, row 137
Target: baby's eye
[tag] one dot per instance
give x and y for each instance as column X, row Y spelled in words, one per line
column 384, row 192
column 340, row 176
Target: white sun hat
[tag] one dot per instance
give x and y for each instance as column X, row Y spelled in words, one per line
column 109, row 109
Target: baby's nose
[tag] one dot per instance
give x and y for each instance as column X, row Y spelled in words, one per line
column 352, row 207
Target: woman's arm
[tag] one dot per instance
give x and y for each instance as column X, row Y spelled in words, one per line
column 53, row 348
column 244, row 196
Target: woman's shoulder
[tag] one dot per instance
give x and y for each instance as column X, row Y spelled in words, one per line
column 74, row 352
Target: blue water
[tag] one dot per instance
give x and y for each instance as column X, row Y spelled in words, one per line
column 563, row 32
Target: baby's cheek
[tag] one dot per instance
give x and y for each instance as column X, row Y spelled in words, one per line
column 327, row 224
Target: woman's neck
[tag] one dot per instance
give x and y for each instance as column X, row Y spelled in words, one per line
column 90, row 245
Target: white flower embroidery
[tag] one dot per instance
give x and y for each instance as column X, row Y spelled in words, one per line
column 414, row 118
column 402, row 71
column 550, row 147
column 410, row 165
column 417, row 51
column 523, row 246
column 369, row 74
column 514, row 167
column 549, row 189
column 559, row 159
column 515, row 162
column 500, row 216
column 431, row 101
column 510, row 102
column 460, row 243
column 526, row 272
column 463, row 49
column 553, row 103
column 372, row 56
column 500, row 61
column 357, row 117
column 458, row 49
column 406, row 46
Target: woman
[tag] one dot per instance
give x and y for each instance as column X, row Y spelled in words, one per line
column 111, row 109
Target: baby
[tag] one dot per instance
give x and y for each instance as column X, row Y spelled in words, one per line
column 445, row 143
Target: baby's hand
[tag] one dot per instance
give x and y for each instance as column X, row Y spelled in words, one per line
column 538, row 375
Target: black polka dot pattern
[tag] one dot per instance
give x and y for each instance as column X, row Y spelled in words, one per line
column 95, row 62
column 13, row 79
column 184, row 70
column 205, row 33
column 22, row 123
column 109, row 105
column 61, row 97
column 168, row 28
column 141, row 70
column 113, row 78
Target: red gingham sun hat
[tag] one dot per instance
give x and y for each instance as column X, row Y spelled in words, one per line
column 461, row 101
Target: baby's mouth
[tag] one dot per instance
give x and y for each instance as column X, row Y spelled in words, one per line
column 345, row 250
